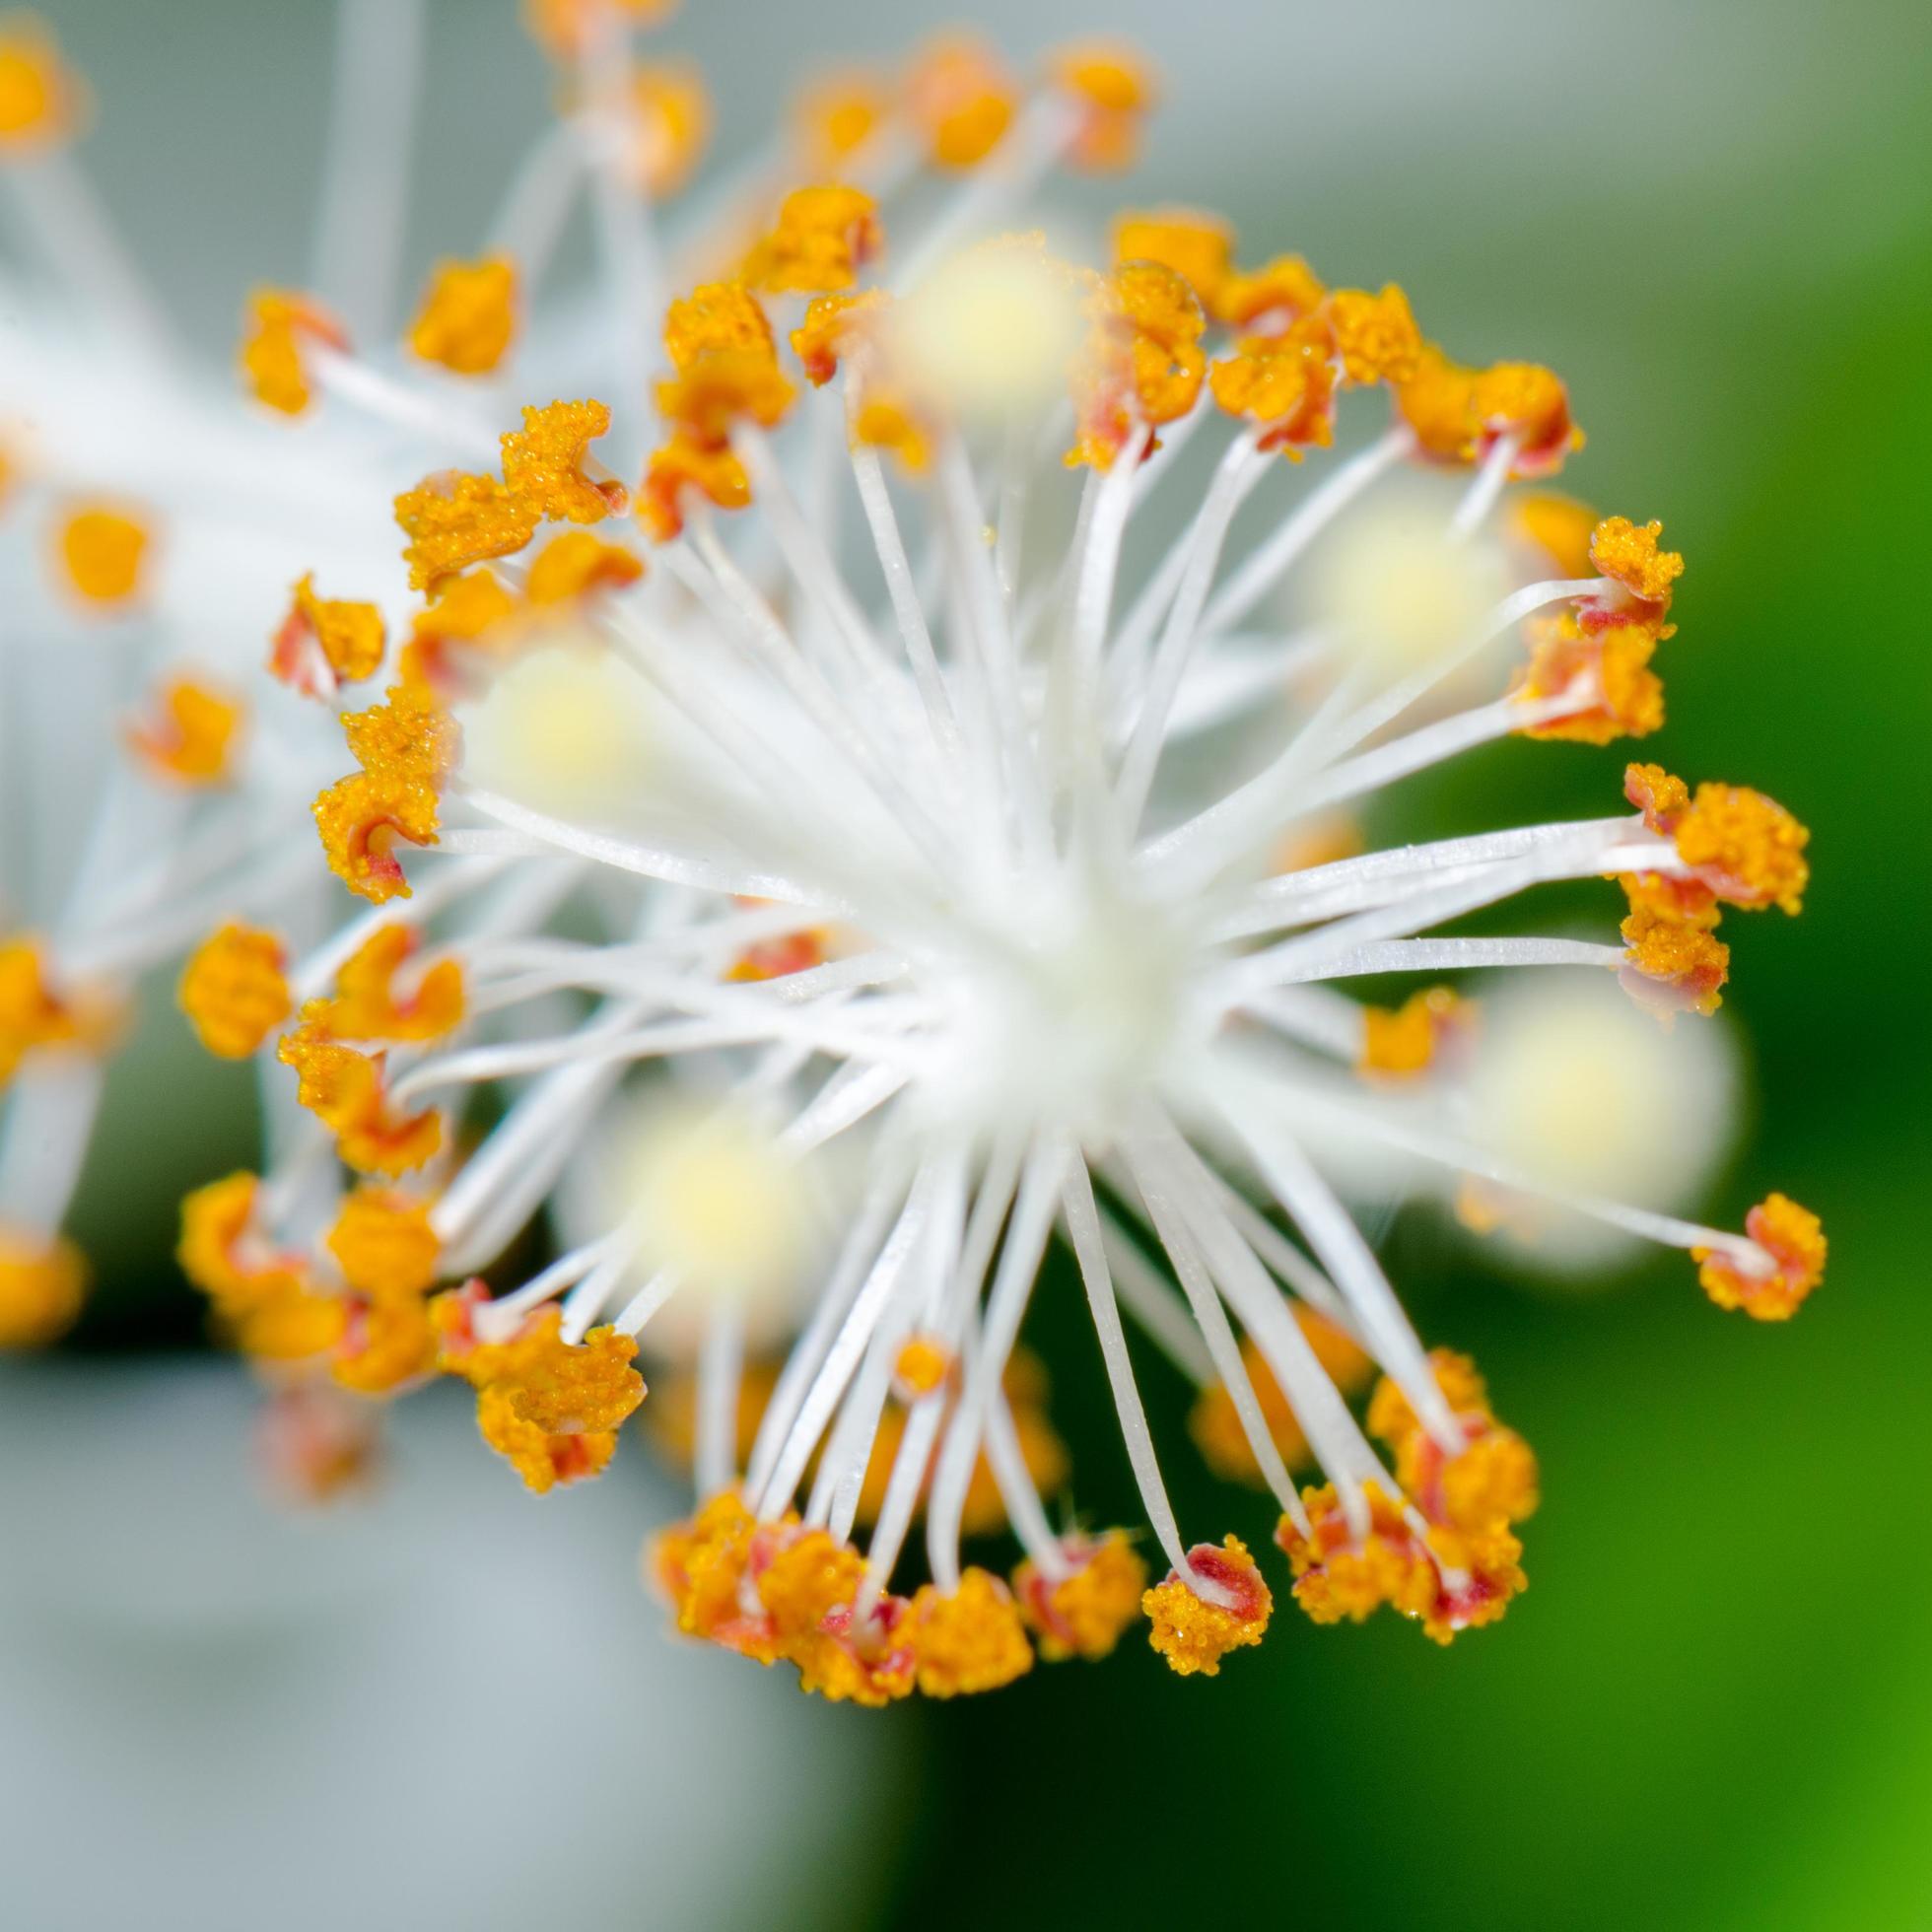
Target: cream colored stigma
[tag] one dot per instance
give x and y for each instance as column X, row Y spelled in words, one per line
column 1591, row 1095
column 565, row 729
column 990, row 330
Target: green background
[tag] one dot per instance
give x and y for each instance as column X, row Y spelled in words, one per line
column 1713, row 1708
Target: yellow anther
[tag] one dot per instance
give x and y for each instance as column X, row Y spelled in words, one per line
column 1375, row 335
column 291, row 1324
column 1744, row 846
column 1269, row 299
column 727, row 371
column 263, row 1297
column 1083, row 1614
column 191, row 737
column 1529, row 406
column 384, row 1245
column 281, row 323
column 1608, row 670
column 669, row 124
column 405, row 746
column 1792, row 1239
column 103, row 553
column 1559, row 528
column 1198, row 247
column 578, row 565
column 833, row 326
column 726, row 362
column 41, row 100
column 1285, row 385
column 921, row 1368
column 836, row 114
column 1490, row 1482
column 1114, row 88
column 716, row 318
column 1679, row 955
column 820, row 240
column 1142, row 364
column 1215, row 1423
column 468, row 316
column 453, row 520
column 386, row 1344
column 235, row 989
column 1656, row 794
column 1193, row 1634
column 543, row 463
column 325, row 642
column 550, row 1408
column 702, row 1568
column 687, row 462
column 1338, row 1575
column 1403, row 1041
column 42, row 1277
column 1438, row 404
column 961, row 100
column 219, row 1250
column 1629, row 553
column 376, row 999
column 971, row 1640
column 37, row 1012
column 470, row 613
column 348, row 1092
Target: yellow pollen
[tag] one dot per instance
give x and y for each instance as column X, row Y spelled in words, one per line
column 922, row 1365
column 577, row 565
column 1619, row 694
column 970, row 1641
column 1629, row 553
column 1403, row 1041
column 549, row 1407
column 543, row 463
column 235, row 989
column 1115, row 89
column 961, row 100
column 370, row 1004
column 670, row 122
column 191, row 739
column 383, row 1243
column 1198, row 247
column 42, row 1277
column 1375, row 335
column 279, row 324
column 102, row 551
column 836, row 116
column 1087, row 1612
column 822, row 237
column 454, row 519
column 405, row 746
column 1749, row 845
column 1193, row 1634
column 348, row 634
column 1142, row 363
column 1793, row 1238
column 468, row 316
column 1559, row 528
column 347, row 1091
column 41, row 100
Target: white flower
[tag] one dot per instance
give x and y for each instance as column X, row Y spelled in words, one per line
column 907, row 814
